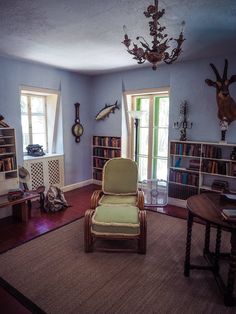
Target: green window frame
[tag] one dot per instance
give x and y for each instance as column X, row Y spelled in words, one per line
column 154, row 128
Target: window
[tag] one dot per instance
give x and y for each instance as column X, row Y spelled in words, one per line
column 152, row 135
column 41, row 119
column 34, row 120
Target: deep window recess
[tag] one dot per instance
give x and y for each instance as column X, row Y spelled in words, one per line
column 152, row 150
column 40, row 119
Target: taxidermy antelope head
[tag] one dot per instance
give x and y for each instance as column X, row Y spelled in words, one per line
column 226, row 104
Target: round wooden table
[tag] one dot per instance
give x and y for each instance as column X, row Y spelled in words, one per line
column 207, row 207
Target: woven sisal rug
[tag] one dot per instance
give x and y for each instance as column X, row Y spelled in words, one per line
column 55, row 274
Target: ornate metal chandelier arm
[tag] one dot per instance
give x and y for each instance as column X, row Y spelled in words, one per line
column 144, row 44
column 169, row 58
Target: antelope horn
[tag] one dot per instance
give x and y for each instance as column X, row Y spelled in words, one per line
column 215, row 71
column 225, row 70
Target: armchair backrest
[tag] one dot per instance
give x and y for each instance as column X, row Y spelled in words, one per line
column 120, row 177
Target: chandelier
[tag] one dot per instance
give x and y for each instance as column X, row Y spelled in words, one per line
column 156, row 52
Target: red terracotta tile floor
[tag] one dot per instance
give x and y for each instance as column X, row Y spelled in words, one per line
column 14, row 233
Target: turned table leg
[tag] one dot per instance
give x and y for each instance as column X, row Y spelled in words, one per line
column 217, row 250
column 20, row 211
column 207, row 238
column 188, row 245
column 229, row 297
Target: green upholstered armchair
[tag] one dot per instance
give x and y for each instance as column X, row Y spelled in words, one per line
column 117, row 211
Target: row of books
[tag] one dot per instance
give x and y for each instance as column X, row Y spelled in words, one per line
column 184, row 177
column 180, row 191
column 7, row 164
column 218, row 167
column 194, row 164
column 108, row 153
column 3, row 150
column 98, row 162
column 211, row 151
column 185, row 149
column 107, row 141
column 97, row 175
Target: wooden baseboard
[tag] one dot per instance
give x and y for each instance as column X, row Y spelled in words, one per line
column 74, row 186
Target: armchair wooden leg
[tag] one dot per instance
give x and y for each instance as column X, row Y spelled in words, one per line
column 88, row 239
column 142, row 241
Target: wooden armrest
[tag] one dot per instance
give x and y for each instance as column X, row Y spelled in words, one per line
column 95, row 198
column 140, row 200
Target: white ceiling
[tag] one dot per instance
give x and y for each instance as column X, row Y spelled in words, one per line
column 85, row 35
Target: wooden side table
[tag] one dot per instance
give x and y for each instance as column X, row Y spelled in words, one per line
column 20, row 209
column 207, row 207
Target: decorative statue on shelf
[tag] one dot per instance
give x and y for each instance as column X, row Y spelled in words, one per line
column 224, row 127
column 226, row 104
column 184, row 124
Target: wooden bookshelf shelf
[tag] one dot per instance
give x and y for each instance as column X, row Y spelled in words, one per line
column 8, row 160
column 195, row 166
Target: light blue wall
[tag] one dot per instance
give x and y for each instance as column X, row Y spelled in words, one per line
column 74, row 88
column 186, row 82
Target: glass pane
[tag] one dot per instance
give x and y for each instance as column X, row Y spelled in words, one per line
column 37, row 105
column 160, row 167
column 38, row 124
column 164, row 112
column 142, row 168
column 40, row 139
column 144, row 106
column 143, row 141
column 25, row 141
column 25, row 123
column 24, row 105
column 160, row 144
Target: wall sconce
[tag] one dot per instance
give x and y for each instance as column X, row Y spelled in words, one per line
column 183, row 124
column 136, row 115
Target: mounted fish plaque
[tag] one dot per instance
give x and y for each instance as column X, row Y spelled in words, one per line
column 104, row 112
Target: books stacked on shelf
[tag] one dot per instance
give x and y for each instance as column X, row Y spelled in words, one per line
column 97, row 175
column 108, row 153
column 3, row 150
column 216, row 167
column 99, row 163
column 194, row 164
column 185, row 149
column 233, row 169
column 211, row 151
column 106, row 141
column 7, row 164
column 184, row 177
column 181, row 191
column 220, row 185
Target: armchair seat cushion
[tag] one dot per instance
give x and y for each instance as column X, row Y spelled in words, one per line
column 118, row 200
column 116, row 220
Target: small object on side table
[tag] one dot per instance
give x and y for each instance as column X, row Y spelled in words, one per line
column 229, row 214
column 14, row 194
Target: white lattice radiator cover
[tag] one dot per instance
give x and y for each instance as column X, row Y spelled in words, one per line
column 45, row 171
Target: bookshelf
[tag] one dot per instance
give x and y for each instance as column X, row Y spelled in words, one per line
column 104, row 148
column 195, row 167
column 8, row 162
